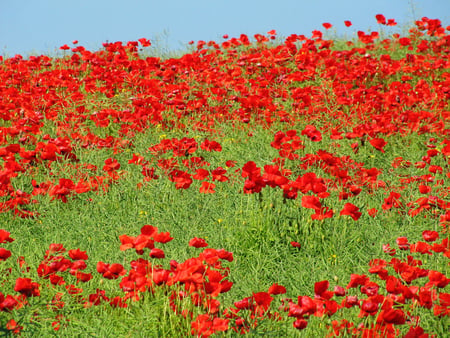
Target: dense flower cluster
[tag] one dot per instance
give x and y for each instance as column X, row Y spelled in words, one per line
column 306, row 92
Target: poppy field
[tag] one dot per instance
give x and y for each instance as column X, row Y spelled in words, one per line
column 273, row 186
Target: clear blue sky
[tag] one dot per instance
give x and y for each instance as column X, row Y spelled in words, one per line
column 41, row 26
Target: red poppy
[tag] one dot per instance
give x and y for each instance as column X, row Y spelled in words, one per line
column 26, row 287
column 312, row 133
column 347, row 23
column 110, row 271
column 327, row 25
column 393, row 200
column 296, row 244
column 13, row 326
column 391, row 22
column 322, row 213
column 198, row 242
column 339, row 291
column 372, row 212
column 378, row 144
column 437, row 279
column 351, row 210
column 77, row 254
column 201, row 174
column 311, row 202
column 356, row 280
column 300, row 324
column 145, row 42
column 82, row 276
column 422, row 247
column 380, row 19
column 320, row 290
column 4, row 254
column 111, row 164
column 430, row 236
column 4, row 236
column 250, row 170
column 218, row 174
column 387, row 249
column 205, row 325
column 211, row 145
column 157, row 253
column 402, row 243
column 207, row 188
column 393, row 316
column 162, row 237
column 262, row 300
column 404, row 41
column 276, row 289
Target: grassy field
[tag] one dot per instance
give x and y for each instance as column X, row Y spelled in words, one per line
column 266, row 186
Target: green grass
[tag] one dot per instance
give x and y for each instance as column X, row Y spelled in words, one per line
column 257, row 229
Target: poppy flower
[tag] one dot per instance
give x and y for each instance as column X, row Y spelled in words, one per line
column 296, row 244
column 307, row 305
column 26, row 287
column 437, row 279
column 162, row 237
column 378, row 144
column 351, row 210
column 339, row 291
column 322, row 213
column 387, row 249
column 157, row 253
column 320, row 290
column 300, row 324
column 356, row 280
column 347, row 23
column 430, row 236
column 4, row 236
column 372, row 212
column 78, row 254
column 218, row 174
column 404, row 41
column 422, row 247
column 402, row 243
column 206, row 325
column 12, row 325
column 200, row 174
column 110, row 271
column 243, row 304
column 198, row 242
column 145, row 42
column 380, row 19
column 276, row 289
column 393, row 316
column 391, row 22
column 312, row 133
column 207, row 188
column 82, row 276
column 4, row 254
column 311, row 202
column 262, row 300
column 208, row 145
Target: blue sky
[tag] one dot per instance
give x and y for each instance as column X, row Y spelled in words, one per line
column 34, row 27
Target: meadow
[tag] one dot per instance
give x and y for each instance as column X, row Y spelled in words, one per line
column 253, row 186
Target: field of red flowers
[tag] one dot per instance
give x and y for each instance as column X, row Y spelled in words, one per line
column 311, row 156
